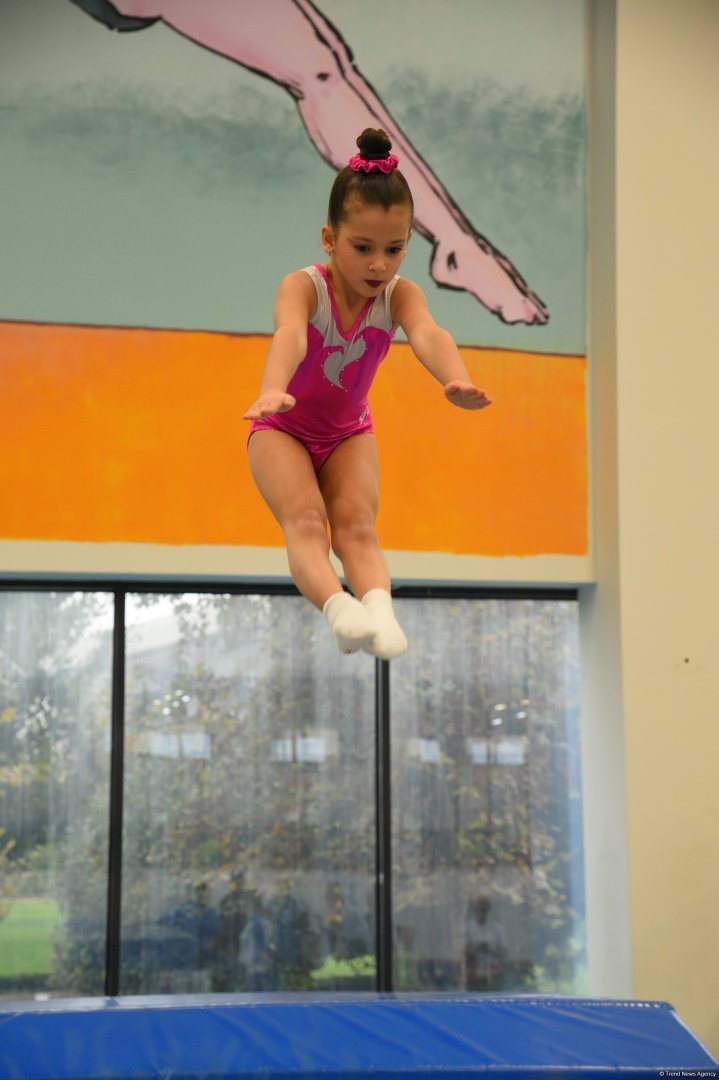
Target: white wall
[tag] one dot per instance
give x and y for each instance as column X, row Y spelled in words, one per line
column 662, row 590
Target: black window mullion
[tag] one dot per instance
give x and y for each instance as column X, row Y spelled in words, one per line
column 383, row 885
column 117, row 765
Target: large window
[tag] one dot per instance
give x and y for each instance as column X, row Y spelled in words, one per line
column 198, row 793
column 486, row 824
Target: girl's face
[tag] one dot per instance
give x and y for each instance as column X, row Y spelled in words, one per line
column 368, row 247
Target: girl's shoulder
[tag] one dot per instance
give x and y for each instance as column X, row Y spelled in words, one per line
column 298, row 291
column 403, row 288
column 302, row 280
column 406, row 296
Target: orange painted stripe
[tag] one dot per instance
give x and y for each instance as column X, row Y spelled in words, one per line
column 137, row 436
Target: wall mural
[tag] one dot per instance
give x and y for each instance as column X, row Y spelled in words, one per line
column 168, row 164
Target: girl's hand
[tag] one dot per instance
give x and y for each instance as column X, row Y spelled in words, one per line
column 272, row 401
column 466, row 395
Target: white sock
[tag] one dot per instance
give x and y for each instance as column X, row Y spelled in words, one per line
column 352, row 624
column 390, row 640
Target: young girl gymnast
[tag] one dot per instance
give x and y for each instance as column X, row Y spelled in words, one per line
column 311, row 445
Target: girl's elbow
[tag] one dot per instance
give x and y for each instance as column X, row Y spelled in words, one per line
column 429, row 340
column 291, row 337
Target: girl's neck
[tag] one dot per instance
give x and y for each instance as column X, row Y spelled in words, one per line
column 349, row 302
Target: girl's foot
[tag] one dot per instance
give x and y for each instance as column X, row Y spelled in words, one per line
column 352, row 625
column 472, row 264
column 390, row 640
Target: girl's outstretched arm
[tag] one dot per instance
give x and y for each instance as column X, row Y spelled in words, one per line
column 296, row 301
column 435, row 347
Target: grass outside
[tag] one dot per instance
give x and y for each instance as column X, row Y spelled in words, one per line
column 27, row 936
column 333, row 968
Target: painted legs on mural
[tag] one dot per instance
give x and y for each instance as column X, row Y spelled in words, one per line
column 344, row 495
column 311, row 61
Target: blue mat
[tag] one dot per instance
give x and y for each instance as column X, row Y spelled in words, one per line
column 378, row 1036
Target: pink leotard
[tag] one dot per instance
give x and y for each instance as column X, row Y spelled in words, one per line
column 332, row 382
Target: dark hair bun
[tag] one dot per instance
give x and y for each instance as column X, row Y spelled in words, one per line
column 374, row 144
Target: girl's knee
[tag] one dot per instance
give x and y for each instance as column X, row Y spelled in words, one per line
column 308, row 523
column 349, row 533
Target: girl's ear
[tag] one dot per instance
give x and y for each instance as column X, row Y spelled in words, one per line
column 328, row 239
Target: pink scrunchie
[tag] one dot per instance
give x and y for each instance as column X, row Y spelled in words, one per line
column 385, row 165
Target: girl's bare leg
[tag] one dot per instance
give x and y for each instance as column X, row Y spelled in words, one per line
column 286, row 479
column 349, row 485
column 311, row 61
column 349, row 482
column 285, row 476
